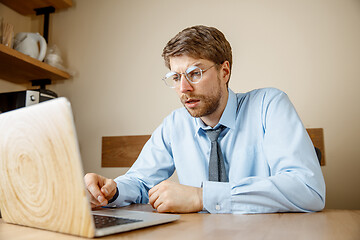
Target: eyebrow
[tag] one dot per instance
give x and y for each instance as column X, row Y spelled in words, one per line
column 198, row 64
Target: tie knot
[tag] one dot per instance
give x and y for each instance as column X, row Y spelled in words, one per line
column 213, row 134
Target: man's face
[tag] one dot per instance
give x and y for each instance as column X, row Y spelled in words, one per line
column 206, row 97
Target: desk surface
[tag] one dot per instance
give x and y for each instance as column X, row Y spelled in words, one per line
column 329, row 224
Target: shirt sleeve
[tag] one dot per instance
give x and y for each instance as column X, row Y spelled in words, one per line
column 295, row 182
column 154, row 164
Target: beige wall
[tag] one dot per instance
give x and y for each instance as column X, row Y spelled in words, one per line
column 308, row 48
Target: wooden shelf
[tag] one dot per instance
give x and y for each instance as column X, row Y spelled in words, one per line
column 20, row 68
column 27, row 7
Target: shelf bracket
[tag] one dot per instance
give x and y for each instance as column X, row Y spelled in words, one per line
column 46, row 12
column 41, row 82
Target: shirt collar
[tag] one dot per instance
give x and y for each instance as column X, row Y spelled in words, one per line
column 227, row 118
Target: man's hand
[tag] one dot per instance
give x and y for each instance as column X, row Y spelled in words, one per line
column 101, row 189
column 168, row 196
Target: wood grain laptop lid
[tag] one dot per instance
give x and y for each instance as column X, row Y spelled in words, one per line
column 41, row 176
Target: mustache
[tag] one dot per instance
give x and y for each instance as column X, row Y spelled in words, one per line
column 185, row 97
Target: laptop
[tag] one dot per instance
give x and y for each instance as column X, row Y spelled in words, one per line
column 41, row 176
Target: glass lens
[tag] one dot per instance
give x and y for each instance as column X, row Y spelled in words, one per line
column 194, row 74
column 172, row 79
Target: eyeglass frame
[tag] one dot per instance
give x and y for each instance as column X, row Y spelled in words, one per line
column 186, row 76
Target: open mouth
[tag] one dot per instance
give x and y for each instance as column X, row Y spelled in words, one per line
column 191, row 103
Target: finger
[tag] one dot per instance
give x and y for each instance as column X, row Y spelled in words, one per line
column 110, row 195
column 153, row 189
column 97, row 194
column 157, row 203
column 109, row 188
column 92, row 182
column 95, row 191
column 162, row 208
column 160, row 199
column 93, row 202
column 153, row 194
column 153, row 198
column 92, row 199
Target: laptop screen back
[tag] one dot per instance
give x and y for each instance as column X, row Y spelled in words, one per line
column 41, row 176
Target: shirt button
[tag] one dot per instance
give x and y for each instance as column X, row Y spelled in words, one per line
column 217, row 207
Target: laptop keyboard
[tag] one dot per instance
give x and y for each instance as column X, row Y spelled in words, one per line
column 106, row 221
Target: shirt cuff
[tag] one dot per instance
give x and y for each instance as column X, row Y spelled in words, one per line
column 114, row 197
column 217, row 197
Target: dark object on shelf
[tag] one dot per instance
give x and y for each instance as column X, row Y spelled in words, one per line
column 13, row 100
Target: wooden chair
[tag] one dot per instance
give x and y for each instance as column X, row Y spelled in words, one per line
column 122, row 151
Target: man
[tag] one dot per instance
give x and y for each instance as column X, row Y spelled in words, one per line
column 261, row 159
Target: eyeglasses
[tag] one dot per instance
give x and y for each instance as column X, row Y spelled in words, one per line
column 193, row 74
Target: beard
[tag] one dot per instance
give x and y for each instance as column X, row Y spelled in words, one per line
column 208, row 104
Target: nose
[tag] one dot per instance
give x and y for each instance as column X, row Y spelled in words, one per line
column 185, row 85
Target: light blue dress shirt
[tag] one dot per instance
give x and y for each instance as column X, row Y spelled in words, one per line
column 269, row 158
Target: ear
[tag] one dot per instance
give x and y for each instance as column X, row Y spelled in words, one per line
column 225, row 72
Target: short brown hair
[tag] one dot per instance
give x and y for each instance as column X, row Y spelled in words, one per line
column 199, row 42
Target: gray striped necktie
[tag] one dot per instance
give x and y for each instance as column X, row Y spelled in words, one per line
column 217, row 172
